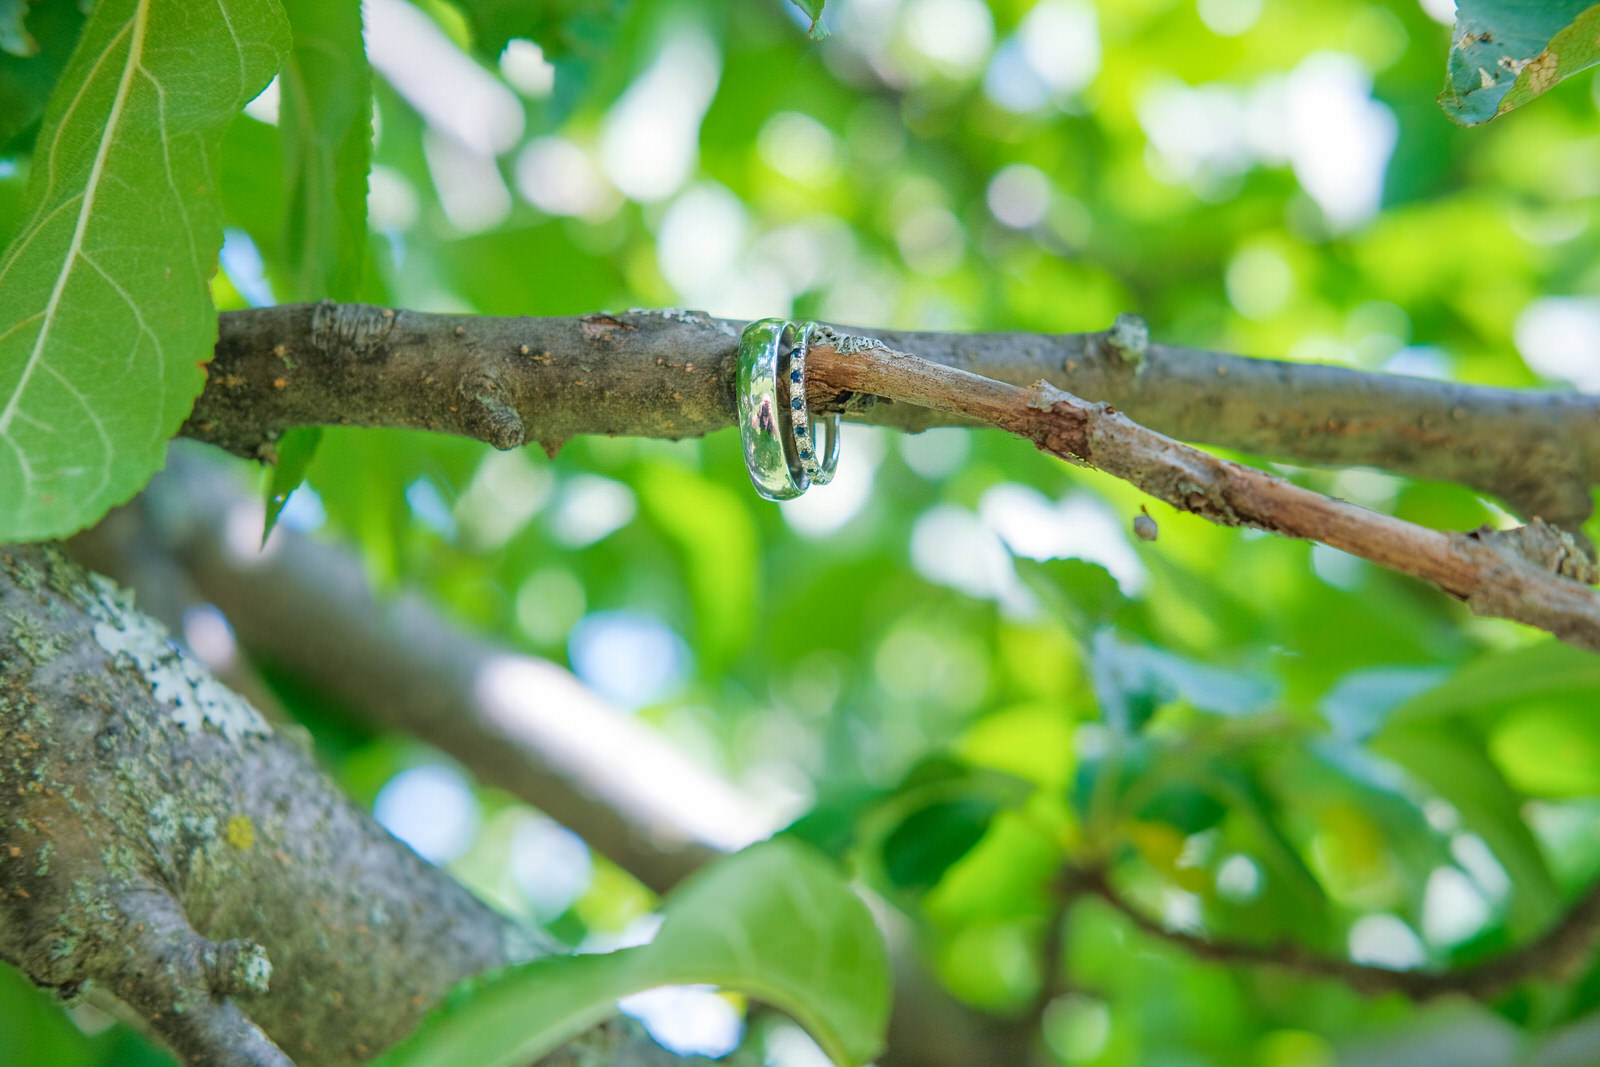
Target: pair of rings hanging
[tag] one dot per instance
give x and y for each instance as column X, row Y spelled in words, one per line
column 781, row 447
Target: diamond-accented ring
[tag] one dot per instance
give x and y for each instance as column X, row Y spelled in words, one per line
column 819, row 463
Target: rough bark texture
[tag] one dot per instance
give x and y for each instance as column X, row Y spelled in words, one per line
column 509, row 381
column 400, row 664
column 160, row 842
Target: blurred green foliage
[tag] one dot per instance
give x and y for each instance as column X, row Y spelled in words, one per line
column 1262, row 740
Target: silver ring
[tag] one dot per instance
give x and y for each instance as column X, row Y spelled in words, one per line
column 818, row 463
column 763, row 424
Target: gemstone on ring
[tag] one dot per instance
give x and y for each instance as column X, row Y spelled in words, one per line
column 817, row 472
column 766, row 450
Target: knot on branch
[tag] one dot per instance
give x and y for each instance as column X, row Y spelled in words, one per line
column 1545, row 546
column 350, row 329
column 236, row 966
column 181, row 982
column 1145, row 527
column 491, row 417
column 1129, row 338
column 1062, row 424
column 846, row 344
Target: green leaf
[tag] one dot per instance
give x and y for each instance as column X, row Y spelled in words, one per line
column 1011, row 874
column 325, row 121
column 29, row 71
column 774, row 921
column 1506, row 52
column 1153, row 782
column 1188, row 808
column 831, row 825
column 1329, row 776
column 578, row 38
column 843, row 811
column 105, row 317
column 296, row 449
column 927, row 842
column 1083, row 594
column 1575, row 48
column 813, row 8
column 252, row 198
column 1550, row 749
column 1302, row 901
column 1032, row 741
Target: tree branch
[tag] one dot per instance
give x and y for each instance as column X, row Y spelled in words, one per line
column 153, row 825
column 1557, row 955
column 158, row 840
column 1536, row 575
column 510, row 381
column 400, row 664
column 669, row 374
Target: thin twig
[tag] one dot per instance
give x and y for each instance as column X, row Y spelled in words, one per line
column 1557, row 955
column 1527, row 576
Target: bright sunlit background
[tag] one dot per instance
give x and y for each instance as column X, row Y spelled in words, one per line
column 1269, row 177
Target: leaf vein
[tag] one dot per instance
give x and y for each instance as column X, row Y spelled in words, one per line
column 85, row 211
column 66, row 116
column 36, row 229
column 133, row 306
column 99, row 429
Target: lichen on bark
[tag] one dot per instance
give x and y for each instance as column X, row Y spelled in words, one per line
column 127, row 775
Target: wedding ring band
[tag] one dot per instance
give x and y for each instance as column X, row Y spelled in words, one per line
column 773, row 472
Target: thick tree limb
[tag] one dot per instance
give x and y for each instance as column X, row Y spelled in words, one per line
column 1558, row 954
column 159, row 841
column 401, row 665
column 509, row 381
column 1536, row 576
